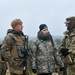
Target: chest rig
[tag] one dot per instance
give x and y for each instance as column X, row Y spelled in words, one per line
column 18, row 47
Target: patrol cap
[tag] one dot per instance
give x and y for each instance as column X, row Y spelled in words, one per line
column 69, row 19
column 15, row 22
column 43, row 27
column 67, row 22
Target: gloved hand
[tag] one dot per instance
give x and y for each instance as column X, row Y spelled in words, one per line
column 63, row 67
column 34, row 70
column 64, row 51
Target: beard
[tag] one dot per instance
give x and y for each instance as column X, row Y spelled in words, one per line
column 44, row 36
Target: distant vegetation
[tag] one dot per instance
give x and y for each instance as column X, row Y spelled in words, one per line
column 57, row 39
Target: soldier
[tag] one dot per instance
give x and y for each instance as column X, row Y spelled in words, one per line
column 44, row 53
column 13, row 47
column 68, row 46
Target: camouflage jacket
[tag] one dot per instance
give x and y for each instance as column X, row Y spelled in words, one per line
column 12, row 50
column 69, row 40
column 44, row 56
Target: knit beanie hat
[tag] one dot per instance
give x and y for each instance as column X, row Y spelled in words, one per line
column 43, row 27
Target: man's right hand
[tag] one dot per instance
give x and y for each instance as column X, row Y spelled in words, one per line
column 64, row 51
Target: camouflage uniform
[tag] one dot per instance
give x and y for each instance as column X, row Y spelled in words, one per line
column 13, row 48
column 44, row 55
column 69, row 43
column 3, row 65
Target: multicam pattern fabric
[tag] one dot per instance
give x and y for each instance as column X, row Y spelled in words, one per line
column 42, row 53
column 3, row 65
column 12, row 50
column 69, row 42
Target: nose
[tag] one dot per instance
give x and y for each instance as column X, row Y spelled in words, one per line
column 66, row 25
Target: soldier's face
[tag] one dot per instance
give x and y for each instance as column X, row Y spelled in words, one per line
column 19, row 27
column 45, row 31
column 69, row 26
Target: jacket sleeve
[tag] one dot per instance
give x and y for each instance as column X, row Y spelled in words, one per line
column 33, row 49
column 57, row 55
column 6, row 49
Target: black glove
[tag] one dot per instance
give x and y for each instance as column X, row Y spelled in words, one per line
column 64, row 51
column 63, row 67
column 34, row 70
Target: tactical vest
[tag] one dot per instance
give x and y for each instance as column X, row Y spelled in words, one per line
column 18, row 47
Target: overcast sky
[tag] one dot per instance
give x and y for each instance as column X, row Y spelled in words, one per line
column 35, row 12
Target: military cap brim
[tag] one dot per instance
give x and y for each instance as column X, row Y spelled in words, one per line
column 67, row 22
